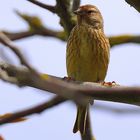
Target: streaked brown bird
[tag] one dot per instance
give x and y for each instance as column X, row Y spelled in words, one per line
column 87, row 55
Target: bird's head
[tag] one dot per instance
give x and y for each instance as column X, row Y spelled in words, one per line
column 89, row 15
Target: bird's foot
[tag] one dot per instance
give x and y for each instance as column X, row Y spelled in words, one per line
column 68, row 79
column 109, row 84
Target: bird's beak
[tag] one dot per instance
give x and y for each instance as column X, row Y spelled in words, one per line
column 77, row 12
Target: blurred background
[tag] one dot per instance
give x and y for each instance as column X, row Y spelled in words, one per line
column 47, row 55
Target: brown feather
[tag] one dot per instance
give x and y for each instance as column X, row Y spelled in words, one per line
column 87, row 54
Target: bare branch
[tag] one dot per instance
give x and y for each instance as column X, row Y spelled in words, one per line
column 63, row 10
column 117, row 40
column 74, row 91
column 134, row 3
column 75, row 5
column 6, row 78
column 7, row 42
column 18, row 35
column 45, row 6
column 44, row 32
column 33, row 110
column 36, row 27
column 114, row 40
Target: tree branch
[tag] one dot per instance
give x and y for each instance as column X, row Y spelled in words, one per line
column 117, row 40
column 63, row 10
column 45, row 6
column 76, row 4
column 67, row 90
column 44, row 32
column 36, row 27
column 18, row 35
column 79, row 92
column 8, row 43
column 33, row 110
column 114, row 40
column 134, row 3
column 76, row 91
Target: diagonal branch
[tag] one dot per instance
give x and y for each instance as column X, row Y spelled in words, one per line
column 134, row 3
column 7, row 42
column 33, row 110
column 45, row 6
column 19, row 35
column 63, row 10
column 36, row 27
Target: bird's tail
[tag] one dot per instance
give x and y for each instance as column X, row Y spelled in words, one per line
column 81, row 119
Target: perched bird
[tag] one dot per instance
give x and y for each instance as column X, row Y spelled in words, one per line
column 87, row 54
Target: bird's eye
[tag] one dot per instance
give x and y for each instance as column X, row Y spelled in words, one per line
column 90, row 11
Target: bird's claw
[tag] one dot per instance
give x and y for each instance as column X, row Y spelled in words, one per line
column 109, row 84
column 68, row 79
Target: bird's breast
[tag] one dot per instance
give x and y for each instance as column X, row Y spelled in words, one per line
column 87, row 54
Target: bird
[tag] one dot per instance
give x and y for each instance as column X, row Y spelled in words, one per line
column 87, row 54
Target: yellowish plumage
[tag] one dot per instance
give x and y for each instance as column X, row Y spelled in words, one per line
column 87, row 55
column 87, row 59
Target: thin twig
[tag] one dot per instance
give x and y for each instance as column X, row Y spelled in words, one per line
column 45, row 6
column 7, row 42
column 33, row 110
